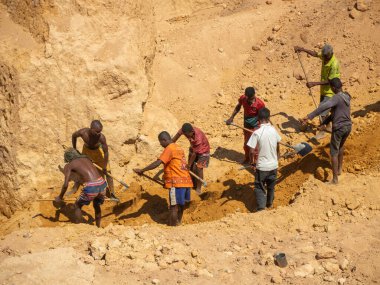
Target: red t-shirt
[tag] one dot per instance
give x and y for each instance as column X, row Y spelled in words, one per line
column 251, row 110
column 199, row 144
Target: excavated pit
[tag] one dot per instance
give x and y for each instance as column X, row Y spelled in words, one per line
column 148, row 203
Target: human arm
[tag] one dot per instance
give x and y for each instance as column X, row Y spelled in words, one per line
column 236, row 110
column 103, row 141
column 308, row 51
column 327, row 120
column 75, row 136
column 66, row 172
column 323, row 107
column 151, row 166
column 177, row 136
column 192, row 158
column 316, row 83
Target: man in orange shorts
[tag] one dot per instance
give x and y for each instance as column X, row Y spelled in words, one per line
column 94, row 185
column 176, row 176
column 199, row 153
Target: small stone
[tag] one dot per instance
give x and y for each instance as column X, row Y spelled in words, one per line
column 194, row 254
column 298, row 75
column 362, row 5
column 190, row 74
column 155, row 281
column 333, row 268
column 268, row 2
column 304, row 270
column 328, row 278
column 329, row 214
column 352, row 204
column 307, row 249
column 354, row 14
column 220, row 50
column 320, row 174
column 98, row 248
column 341, row 281
column 326, row 253
column 357, row 167
column 343, row 265
column 276, row 279
column 276, row 28
column 256, row 48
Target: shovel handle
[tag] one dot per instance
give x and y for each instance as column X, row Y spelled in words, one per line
column 248, row 130
column 200, row 179
column 66, row 200
column 245, row 129
column 108, row 174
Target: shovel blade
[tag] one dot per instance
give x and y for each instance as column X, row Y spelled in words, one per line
column 303, row 148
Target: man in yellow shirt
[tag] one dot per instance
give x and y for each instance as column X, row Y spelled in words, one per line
column 330, row 69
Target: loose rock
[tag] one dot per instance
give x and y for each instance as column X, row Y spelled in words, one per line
column 333, row 268
column 326, row 253
column 304, row 270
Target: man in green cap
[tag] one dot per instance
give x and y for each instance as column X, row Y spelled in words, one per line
column 330, row 69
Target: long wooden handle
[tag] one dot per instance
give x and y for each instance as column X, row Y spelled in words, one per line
column 248, row 130
column 66, row 200
column 108, row 174
column 304, row 72
column 200, row 179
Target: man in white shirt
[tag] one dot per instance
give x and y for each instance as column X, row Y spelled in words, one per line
column 266, row 138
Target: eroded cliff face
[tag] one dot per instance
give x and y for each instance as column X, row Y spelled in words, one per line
column 81, row 60
column 9, row 123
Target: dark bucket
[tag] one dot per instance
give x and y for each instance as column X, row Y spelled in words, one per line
column 280, row 259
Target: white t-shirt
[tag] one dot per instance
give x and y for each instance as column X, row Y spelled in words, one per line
column 266, row 137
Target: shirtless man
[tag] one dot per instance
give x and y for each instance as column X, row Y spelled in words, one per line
column 96, row 148
column 94, row 185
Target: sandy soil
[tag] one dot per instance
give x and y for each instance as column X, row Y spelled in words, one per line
column 146, row 66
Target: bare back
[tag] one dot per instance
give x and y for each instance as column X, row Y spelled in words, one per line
column 83, row 167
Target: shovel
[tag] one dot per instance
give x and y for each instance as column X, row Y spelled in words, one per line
column 320, row 134
column 107, row 173
column 200, row 179
column 302, row 148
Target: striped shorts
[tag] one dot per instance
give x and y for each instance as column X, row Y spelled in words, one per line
column 93, row 191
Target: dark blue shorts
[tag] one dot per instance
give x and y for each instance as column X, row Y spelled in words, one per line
column 178, row 196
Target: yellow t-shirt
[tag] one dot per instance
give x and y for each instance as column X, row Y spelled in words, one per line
column 175, row 171
column 329, row 70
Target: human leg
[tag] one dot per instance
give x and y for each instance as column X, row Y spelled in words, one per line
column 173, row 216
column 246, row 148
column 78, row 212
column 98, row 214
column 270, row 181
column 341, row 149
column 259, row 190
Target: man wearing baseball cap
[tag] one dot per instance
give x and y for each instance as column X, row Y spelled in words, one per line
column 330, row 69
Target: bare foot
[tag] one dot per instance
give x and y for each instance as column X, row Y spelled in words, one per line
column 198, row 190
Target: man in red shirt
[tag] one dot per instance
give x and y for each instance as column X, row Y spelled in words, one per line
column 251, row 105
column 199, row 153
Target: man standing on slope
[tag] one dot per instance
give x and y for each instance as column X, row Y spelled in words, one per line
column 176, row 176
column 96, row 148
column 94, row 184
column 199, row 152
column 266, row 140
column 341, row 124
column 251, row 105
column 330, row 69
